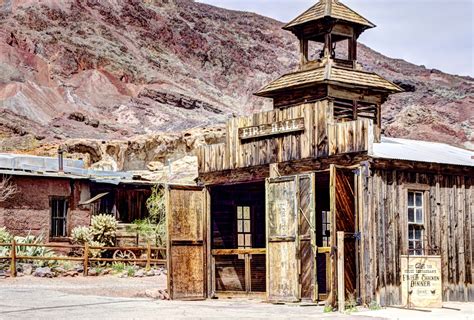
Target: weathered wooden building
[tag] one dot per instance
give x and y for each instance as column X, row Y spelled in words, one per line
column 273, row 196
column 54, row 197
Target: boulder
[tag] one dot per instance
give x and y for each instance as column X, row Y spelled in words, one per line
column 43, row 273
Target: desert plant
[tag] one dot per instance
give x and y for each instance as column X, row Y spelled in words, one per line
column 7, row 189
column 95, row 253
column 374, row 305
column 351, row 303
column 118, row 267
column 81, row 235
column 328, row 308
column 5, row 236
column 103, row 228
column 23, row 250
column 130, row 271
column 154, row 227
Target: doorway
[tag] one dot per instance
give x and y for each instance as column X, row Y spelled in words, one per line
column 238, row 240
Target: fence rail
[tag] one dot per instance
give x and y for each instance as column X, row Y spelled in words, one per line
column 85, row 254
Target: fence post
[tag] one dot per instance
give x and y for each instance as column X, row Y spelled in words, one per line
column 341, row 292
column 148, row 256
column 13, row 259
column 86, row 259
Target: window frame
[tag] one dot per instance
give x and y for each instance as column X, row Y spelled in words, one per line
column 52, row 219
column 420, row 224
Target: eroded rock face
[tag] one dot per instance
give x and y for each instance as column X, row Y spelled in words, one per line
column 115, row 70
column 151, row 152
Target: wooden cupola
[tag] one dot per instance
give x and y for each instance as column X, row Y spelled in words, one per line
column 323, row 30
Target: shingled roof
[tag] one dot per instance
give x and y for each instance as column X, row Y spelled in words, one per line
column 332, row 9
column 329, row 74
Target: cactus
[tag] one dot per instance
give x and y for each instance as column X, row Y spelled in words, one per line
column 103, row 228
column 81, row 235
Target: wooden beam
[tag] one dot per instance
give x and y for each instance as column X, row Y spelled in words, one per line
column 341, row 294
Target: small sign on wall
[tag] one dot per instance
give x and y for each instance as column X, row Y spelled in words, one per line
column 421, row 281
column 271, row 129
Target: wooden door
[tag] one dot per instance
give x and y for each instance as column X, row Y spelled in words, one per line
column 343, row 211
column 186, row 243
column 307, row 236
column 282, row 231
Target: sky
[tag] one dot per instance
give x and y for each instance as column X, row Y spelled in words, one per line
column 438, row 34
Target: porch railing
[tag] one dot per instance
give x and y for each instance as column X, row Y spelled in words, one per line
column 238, row 270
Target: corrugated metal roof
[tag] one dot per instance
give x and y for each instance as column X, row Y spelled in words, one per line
column 422, row 151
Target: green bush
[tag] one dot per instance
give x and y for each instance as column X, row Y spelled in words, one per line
column 103, row 229
column 22, row 250
column 154, row 228
column 118, row 267
column 81, row 235
column 5, row 236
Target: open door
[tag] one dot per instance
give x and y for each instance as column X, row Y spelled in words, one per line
column 343, row 210
column 282, row 247
column 307, row 237
column 186, row 216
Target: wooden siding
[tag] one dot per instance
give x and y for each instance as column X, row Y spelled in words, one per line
column 313, row 142
column 449, row 206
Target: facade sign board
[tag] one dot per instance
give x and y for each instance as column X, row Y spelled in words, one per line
column 271, row 129
column 421, row 281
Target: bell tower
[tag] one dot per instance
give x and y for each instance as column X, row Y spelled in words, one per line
column 328, row 69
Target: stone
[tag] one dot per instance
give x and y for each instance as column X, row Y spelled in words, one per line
column 155, row 166
column 150, row 273
column 28, row 269
column 43, row 272
column 140, row 274
column 92, row 272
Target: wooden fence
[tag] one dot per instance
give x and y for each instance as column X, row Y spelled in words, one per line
column 85, row 255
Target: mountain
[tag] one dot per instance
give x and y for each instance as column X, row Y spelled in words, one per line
column 121, row 69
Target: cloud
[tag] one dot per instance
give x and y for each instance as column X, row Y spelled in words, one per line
column 434, row 33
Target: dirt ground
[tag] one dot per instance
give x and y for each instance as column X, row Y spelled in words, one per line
column 110, row 297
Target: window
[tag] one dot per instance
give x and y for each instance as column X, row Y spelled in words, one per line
column 326, row 226
column 244, row 234
column 415, row 222
column 59, row 207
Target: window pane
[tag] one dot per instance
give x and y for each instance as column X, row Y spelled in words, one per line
column 248, row 240
column 239, row 226
column 410, row 244
column 411, row 202
column 411, row 217
column 247, row 226
column 246, row 212
column 419, row 215
column 418, row 234
column 419, row 199
column 240, row 240
column 239, row 212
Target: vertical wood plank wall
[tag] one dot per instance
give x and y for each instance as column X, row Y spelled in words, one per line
column 320, row 138
column 449, row 226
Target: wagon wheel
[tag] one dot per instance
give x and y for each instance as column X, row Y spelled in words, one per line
column 125, row 254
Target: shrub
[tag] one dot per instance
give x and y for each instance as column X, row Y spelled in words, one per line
column 374, row 305
column 155, row 225
column 95, row 253
column 118, row 267
column 22, row 250
column 130, row 271
column 328, row 308
column 81, row 235
column 103, row 228
column 5, row 236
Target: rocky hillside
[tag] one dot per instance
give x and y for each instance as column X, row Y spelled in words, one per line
column 119, row 69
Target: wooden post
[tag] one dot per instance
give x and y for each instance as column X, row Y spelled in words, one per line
column 148, row 256
column 13, row 259
column 341, row 294
column 86, row 259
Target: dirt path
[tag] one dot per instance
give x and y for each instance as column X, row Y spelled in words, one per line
column 107, row 286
